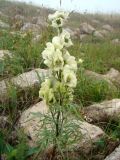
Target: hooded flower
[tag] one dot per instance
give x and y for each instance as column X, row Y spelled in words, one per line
column 46, row 92
column 58, row 18
column 57, row 23
column 48, row 53
column 58, row 61
column 57, row 14
column 80, row 61
column 70, row 62
column 65, row 38
column 57, row 42
column 69, row 78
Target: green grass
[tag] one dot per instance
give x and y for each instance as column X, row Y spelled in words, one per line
column 89, row 90
column 97, row 55
column 26, row 55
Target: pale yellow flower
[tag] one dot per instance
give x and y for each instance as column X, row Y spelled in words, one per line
column 69, row 78
column 80, row 61
column 58, row 14
column 65, row 38
column 58, row 22
column 70, row 61
column 58, row 18
column 46, row 92
column 57, row 42
column 58, row 61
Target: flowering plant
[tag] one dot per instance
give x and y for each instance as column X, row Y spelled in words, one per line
column 57, row 90
column 62, row 65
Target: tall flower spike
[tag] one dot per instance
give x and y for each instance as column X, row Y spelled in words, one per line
column 62, row 65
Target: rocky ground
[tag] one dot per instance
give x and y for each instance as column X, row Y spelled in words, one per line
column 23, row 32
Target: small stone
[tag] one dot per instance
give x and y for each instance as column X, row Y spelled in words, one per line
column 107, row 27
column 104, row 32
column 99, row 77
column 113, row 75
column 29, row 79
column 104, row 111
column 116, row 41
column 115, row 155
column 3, row 91
column 98, row 35
column 23, row 81
column 86, row 28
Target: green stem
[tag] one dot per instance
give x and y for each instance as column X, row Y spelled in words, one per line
column 56, row 136
column 57, row 124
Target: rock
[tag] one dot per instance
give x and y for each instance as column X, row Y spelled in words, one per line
column 23, row 81
column 104, row 32
column 99, row 77
column 29, row 27
column 114, row 76
column 103, row 81
column 107, row 27
column 105, row 111
column 3, row 91
column 4, row 53
column 86, row 28
column 73, row 33
column 32, row 124
column 97, row 34
column 29, row 79
column 90, row 134
column 115, row 41
column 4, row 25
column 115, row 155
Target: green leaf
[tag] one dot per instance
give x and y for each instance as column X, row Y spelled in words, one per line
column 101, row 143
column 4, row 147
column 32, row 151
